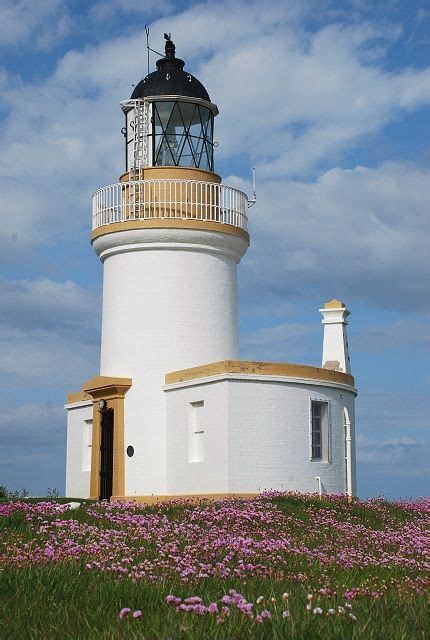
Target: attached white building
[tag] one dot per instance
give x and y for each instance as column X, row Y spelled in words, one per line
column 173, row 411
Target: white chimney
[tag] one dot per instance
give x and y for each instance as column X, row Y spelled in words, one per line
column 335, row 345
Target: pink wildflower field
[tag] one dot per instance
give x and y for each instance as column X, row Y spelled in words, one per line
column 276, row 566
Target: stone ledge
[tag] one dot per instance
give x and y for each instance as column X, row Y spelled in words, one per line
column 283, row 369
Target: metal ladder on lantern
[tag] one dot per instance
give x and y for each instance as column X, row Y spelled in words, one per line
column 140, row 158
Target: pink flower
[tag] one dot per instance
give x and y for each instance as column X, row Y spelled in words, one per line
column 137, row 613
column 265, row 614
column 124, row 613
column 258, row 619
column 286, row 614
column 213, row 607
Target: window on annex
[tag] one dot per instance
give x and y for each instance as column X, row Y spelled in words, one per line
column 196, row 448
column 182, row 135
column 319, row 431
column 87, row 443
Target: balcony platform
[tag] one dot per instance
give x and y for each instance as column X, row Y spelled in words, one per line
column 209, row 204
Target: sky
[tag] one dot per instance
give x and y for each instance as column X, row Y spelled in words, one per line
column 329, row 100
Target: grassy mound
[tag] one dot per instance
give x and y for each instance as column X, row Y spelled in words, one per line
column 277, row 566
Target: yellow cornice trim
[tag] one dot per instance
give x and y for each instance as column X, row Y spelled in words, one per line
column 282, row 369
column 78, row 396
column 106, row 386
column 334, row 304
column 174, row 173
column 164, row 223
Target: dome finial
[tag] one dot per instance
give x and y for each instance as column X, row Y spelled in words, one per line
column 170, row 47
column 169, row 61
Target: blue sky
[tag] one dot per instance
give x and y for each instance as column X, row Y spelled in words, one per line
column 330, row 101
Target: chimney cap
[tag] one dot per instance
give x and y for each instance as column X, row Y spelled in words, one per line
column 334, row 304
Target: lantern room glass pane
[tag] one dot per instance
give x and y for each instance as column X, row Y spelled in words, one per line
column 182, row 135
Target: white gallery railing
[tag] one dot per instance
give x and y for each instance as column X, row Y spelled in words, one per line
column 171, row 199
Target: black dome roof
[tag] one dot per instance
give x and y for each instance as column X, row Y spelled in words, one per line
column 170, row 79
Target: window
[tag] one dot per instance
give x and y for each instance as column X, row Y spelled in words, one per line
column 182, row 135
column 87, row 442
column 196, row 451
column 319, row 431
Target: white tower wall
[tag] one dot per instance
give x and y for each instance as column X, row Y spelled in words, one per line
column 169, row 301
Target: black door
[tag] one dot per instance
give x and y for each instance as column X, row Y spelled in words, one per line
column 106, row 455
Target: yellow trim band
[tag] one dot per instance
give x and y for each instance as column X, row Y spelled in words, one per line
column 261, row 369
column 173, row 173
column 77, row 396
column 165, row 223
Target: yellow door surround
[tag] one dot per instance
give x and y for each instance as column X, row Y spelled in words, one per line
column 113, row 391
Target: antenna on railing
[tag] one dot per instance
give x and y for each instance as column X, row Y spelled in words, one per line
column 253, row 200
column 148, row 48
column 147, row 45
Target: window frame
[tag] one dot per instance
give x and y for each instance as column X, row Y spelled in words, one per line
column 325, row 430
column 87, row 445
column 207, row 148
column 196, row 429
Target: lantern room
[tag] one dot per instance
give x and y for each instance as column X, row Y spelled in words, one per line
column 169, row 119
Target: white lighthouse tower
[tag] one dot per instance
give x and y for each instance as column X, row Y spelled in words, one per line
column 173, row 406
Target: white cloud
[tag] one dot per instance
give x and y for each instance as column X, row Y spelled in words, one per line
column 33, row 437
column 46, row 361
column 397, row 334
column 44, row 304
column 109, row 9
column 43, row 22
column 49, row 334
column 287, row 342
column 388, row 416
column 393, row 443
column 299, row 97
column 391, row 452
column 36, row 425
column 359, row 234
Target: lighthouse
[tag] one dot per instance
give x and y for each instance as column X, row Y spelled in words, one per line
column 173, row 411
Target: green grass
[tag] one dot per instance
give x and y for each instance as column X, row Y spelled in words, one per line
column 64, row 600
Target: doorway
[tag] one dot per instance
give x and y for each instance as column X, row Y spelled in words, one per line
column 106, row 454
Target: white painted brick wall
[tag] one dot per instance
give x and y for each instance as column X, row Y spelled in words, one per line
column 262, row 427
column 210, row 476
column 78, row 428
column 269, row 444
